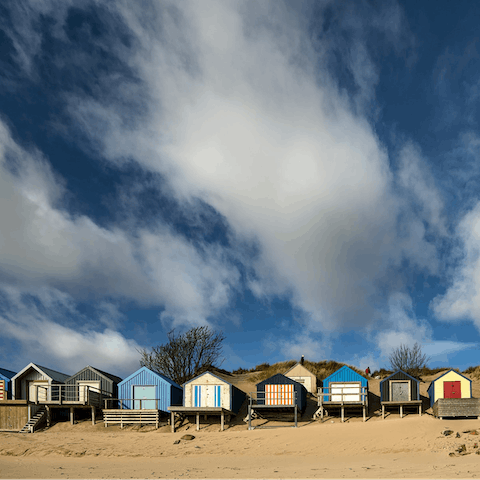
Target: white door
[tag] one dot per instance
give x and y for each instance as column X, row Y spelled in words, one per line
column 42, row 391
column 85, row 387
column 213, row 395
column 340, row 390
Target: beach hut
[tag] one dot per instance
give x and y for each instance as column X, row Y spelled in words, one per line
column 32, row 383
column 208, row 394
column 302, row 375
column 280, row 390
column 6, row 384
column 344, row 388
column 93, row 380
column 400, row 390
column 145, row 389
column 451, row 396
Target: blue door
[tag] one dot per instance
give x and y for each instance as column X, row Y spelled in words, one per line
column 145, row 393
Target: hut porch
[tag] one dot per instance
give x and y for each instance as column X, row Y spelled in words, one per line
column 182, row 412
column 327, row 392
column 417, row 404
column 262, row 402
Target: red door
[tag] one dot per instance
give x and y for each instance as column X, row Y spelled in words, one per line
column 451, row 390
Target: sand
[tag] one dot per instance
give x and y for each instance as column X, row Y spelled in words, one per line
column 411, row 447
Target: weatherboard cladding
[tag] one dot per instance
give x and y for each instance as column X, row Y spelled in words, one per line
column 232, row 397
column 279, row 379
column 167, row 391
column 435, row 394
column 91, row 374
column 344, row 375
column 400, row 375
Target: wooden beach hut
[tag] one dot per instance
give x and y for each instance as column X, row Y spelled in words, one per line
column 208, row 394
column 93, row 380
column 400, row 390
column 302, row 375
column 277, row 395
column 6, row 384
column 32, row 383
column 142, row 396
column 451, row 396
column 343, row 389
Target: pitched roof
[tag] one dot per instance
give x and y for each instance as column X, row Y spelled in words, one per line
column 454, row 371
column 210, row 373
column 7, row 373
column 53, row 374
column 163, row 377
column 400, row 371
column 299, row 364
column 114, row 378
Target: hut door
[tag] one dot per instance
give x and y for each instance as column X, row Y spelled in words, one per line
column 278, row 394
column 213, row 395
column 88, row 388
column 147, row 396
column 400, row 392
column 42, row 390
column 451, row 390
column 345, row 392
column 2, row 390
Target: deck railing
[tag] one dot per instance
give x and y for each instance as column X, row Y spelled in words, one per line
column 344, row 396
column 131, row 403
column 70, row 394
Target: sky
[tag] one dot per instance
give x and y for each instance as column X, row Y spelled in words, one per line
column 303, row 176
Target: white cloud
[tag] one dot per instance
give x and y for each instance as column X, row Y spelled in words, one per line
column 461, row 301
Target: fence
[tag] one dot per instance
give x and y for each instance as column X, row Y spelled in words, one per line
column 70, row 394
column 138, row 404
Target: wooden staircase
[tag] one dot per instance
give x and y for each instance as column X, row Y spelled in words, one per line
column 30, row 426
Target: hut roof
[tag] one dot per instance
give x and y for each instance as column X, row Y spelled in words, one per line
column 107, row 375
column 210, row 373
column 7, row 373
column 448, row 371
column 344, row 370
column 302, row 366
column 159, row 375
column 399, row 371
column 53, row 374
column 279, row 377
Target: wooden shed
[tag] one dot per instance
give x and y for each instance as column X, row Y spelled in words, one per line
column 6, row 384
column 146, row 389
column 208, row 394
column 280, row 390
column 344, row 388
column 35, row 380
column 451, row 396
column 302, row 375
column 400, row 390
column 97, row 380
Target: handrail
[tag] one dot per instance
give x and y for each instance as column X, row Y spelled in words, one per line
column 326, row 392
column 67, row 393
column 136, row 401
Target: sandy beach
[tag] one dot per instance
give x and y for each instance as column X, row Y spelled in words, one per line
column 411, row 447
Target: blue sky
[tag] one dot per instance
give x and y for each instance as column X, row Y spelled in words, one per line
column 301, row 175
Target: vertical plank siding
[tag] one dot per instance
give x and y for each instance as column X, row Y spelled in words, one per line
column 400, row 375
column 167, row 392
column 89, row 374
column 269, row 387
column 343, row 375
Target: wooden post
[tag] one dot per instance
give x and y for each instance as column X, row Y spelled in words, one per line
column 383, row 412
column 198, row 421
column 93, row 415
column 71, row 416
column 420, row 410
column 296, row 416
column 49, row 416
column 156, row 420
column 401, row 411
column 60, row 394
column 320, row 398
column 342, row 411
column 172, row 421
column 364, row 412
column 222, row 420
column 250, row 415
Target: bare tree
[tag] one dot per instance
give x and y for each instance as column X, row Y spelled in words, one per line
column 185, row 356
column 409, row 359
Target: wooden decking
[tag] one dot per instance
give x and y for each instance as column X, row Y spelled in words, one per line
column 402, row 404
column 182, row 412
column 457, row 407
